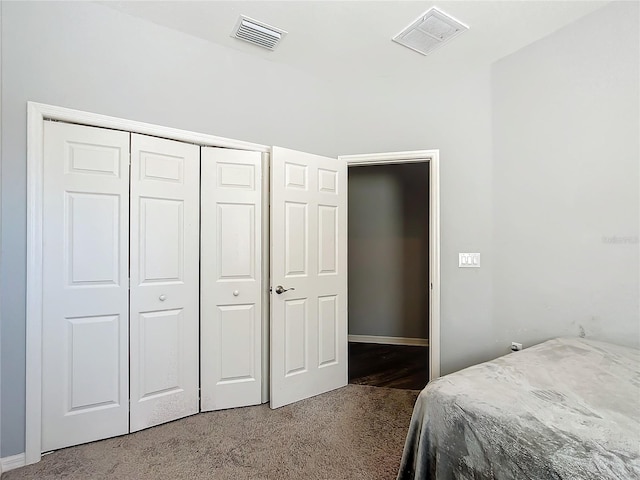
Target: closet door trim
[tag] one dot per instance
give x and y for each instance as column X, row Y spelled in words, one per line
column 37, row 114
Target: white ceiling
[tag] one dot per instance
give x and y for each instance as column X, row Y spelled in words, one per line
column 353, row 38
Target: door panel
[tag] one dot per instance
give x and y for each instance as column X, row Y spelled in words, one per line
column 93, row 219
column 296, row 337
column 327, row 330
column 85, row 382
column 296, row 239
column 328, row 239
column 308, row 255
column 237, row 327
column 161, row 244
column 165, row 184
column 93, row 348
column 236, row 245
column 231, row 297
column 159, row 351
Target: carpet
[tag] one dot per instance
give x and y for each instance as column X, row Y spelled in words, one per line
column 356, row 432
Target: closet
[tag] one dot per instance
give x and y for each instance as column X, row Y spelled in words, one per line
column 168, row 276
column 129, row 339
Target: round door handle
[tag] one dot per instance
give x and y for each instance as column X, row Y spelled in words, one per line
column 162, row 297
column 280, row 289
column 236, row 293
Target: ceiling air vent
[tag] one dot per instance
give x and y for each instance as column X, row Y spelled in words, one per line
column 258, row 33
column 429, row 31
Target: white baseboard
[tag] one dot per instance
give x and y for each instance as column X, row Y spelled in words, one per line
column 12, row 462
column 422, row 342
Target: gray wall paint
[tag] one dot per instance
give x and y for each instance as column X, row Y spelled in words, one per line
column 1, row 261
column 89, row 57
column 453, row 114
column 389, row 250
column 539, row 163
column 64, row 53
column 566, row 183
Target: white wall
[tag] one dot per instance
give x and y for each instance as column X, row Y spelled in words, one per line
column 86, row 56
column 389, row 250
column 566, row 203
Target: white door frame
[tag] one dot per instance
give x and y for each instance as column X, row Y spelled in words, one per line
column 37, row 114
column 432, row 157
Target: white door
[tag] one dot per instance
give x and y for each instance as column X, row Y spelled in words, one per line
column 309, row 261
column 85, row 382
column 231, row 273
column 165, row 194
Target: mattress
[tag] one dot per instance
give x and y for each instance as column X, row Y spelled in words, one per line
column 568, row 408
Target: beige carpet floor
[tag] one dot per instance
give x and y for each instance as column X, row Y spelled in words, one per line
column 356, row 432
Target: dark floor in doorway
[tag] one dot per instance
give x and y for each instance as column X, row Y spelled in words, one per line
column 393, row 366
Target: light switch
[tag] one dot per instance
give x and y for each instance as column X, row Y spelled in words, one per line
column 467, row 260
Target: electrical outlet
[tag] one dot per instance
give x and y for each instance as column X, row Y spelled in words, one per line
column 516, row 347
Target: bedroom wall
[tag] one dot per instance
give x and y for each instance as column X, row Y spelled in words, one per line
column 569, row 102
column 448, row 109
column 86, row 56
column 389, row 250
column 566, row 204
column 1, row 261
column 539, row 173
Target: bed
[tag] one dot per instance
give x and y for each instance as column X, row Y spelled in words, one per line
column 568, row 408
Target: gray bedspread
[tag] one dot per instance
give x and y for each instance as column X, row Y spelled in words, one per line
column 568, row 408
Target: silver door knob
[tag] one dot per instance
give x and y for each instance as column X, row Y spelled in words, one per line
column 236, row 293
column 162, row 297
column 280, row 289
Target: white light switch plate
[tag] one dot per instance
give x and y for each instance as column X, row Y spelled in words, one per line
column 469, row 260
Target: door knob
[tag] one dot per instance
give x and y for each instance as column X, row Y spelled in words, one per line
column 280, row 289
column 162, row 297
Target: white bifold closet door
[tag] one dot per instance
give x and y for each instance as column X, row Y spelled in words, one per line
column 164, row 269
column 230, row 300
column 85, row 381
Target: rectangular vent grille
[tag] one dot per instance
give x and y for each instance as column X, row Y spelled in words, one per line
column 258, row 33
column 431, row 30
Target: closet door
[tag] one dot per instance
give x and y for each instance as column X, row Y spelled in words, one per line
column 165, row 185
column 230, row 299
column 85, row 383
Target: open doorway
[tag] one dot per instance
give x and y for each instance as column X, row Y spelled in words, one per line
column 389, row 274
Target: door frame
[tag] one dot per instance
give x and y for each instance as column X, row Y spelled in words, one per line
column 432, row 157
column 37, row 114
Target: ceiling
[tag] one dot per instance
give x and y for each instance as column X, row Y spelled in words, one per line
column 338, row 39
